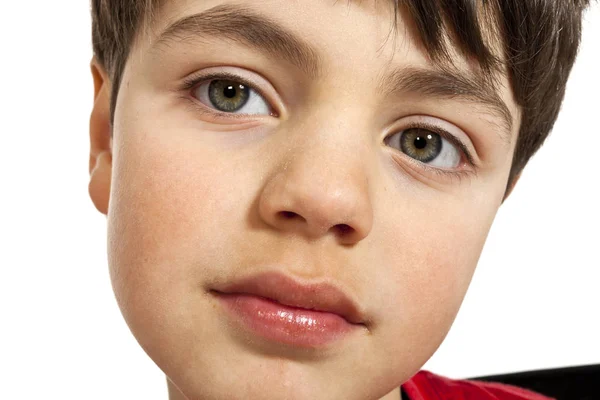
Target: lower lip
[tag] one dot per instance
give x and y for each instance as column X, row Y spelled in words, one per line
column 285, row 324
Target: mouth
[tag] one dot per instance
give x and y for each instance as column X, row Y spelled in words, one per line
column 281, row 309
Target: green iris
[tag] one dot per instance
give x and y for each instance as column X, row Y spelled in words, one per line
column 421, row 144
column 228, row 96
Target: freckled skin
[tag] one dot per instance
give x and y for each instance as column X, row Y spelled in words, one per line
column 191, row 203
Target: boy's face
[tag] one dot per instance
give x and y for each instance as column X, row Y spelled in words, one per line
column 323, row 175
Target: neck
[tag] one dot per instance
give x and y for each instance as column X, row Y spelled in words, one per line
column 175, row 394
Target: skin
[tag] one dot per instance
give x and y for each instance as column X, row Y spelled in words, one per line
column 189, row 199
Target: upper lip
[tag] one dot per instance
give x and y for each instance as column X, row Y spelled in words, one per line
column 321, row 296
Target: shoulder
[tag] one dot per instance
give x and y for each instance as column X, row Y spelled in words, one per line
column 426, row 385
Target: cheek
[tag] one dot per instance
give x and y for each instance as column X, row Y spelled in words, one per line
column 431, row 263
column 169, row 210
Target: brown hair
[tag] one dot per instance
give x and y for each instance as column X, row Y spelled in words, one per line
column 540, row 40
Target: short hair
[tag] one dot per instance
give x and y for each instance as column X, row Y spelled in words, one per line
column 539, row 40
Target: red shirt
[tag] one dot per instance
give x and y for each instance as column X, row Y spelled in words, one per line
column 425, row 385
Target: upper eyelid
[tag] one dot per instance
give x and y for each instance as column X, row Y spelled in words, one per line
column 194, row 80
column 454, row 140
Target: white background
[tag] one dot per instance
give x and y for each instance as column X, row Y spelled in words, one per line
column 533, row 302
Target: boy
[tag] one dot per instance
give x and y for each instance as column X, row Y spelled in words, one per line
column 298, row 192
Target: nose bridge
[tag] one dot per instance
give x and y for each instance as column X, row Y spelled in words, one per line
column 331, row 132
column 322, row 179
column 331, row 147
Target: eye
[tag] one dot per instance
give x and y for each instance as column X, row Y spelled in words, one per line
column 231, row 96
column 428, row 147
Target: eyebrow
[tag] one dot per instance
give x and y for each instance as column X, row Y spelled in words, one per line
column 240, row 24
column 450, row 84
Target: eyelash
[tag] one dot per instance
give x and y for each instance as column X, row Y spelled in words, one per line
column 453, row 175
column 457, row 175
column 193, row 81
column 443, row 133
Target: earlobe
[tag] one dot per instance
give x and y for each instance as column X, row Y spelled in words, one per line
column 100, row 178
column 100, row 165
column 510, row 188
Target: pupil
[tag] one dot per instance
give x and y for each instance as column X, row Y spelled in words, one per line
column 229, row 92
column 420, row 142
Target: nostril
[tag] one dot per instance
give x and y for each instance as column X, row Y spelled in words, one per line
column 288, row 214
column 343, row 228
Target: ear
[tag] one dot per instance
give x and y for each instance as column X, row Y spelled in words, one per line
column 100, row 167
column 512, row 186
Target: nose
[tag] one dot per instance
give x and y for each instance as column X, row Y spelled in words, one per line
column 319, row 187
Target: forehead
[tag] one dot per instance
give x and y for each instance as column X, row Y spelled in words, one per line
column 466, row 30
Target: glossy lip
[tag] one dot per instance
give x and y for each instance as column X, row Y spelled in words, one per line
column 285, row 290
column 288, row 325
